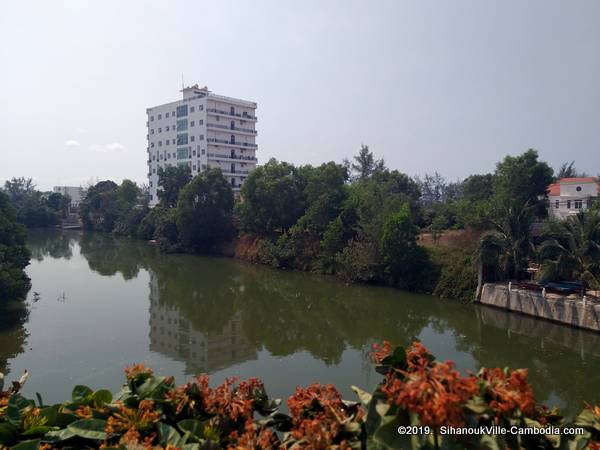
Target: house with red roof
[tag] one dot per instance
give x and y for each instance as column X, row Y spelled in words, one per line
column 568, row 196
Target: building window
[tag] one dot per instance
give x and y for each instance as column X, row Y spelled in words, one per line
column 191, row 109
column 201, row 107
column 183, row 153
column 159, row 130
column 201, row 137
column 194, row 167
column 192, row 123
column 160, row 143
column 192, row 138
column 232, row 139
column 232, row 125
column 557, row 204
column 159, row 117
column 151, row 144
column 167, row 115
column 201, row 122
column 231, row 111
column 173, row 141
column 151, row 130
column 151, row 118
column 578, row 188
column 203, row 150
column 568, row 204
column 182, row 139
column 182, row 111
column 589, row 203
column 578, row 204
column 167, row 128
column 194, row 153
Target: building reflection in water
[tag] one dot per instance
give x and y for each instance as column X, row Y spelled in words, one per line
column 172, row 335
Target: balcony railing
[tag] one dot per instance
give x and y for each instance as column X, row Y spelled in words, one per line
column 225, row 127
column 224, row 141
column 235, row 172
column 241, row 157
column 243, row 116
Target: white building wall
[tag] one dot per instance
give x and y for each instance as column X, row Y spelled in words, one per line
column 209, row 121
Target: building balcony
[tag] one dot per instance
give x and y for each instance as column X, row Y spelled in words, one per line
column 232, row 130
column 221, row 112
column 234, row 157
column 230, row 144
column 236, row 172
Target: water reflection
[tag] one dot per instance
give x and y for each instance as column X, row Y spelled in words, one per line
column 211, row 314
column 51, row 243
column 13, row 335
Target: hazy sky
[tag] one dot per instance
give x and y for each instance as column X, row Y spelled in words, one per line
column 451, row 86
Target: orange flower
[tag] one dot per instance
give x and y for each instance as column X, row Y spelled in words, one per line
column 135, row 370
column 508, row 391
column 141, row 418
column 380, row 352
column 436, row 392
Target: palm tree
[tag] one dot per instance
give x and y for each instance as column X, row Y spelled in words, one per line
column 571, row 249
column 505, row 249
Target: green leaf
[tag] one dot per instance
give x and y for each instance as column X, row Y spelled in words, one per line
column 58, row 435
column 168, row 435
column 195, row 427
column 89, row 428
column 20, row 402
column 150, row 386
column 39, row 399
column 39, row 430
column 363, row 396
column 8, row 434
column 27, row 445
column 102, row 397
column 80, row 393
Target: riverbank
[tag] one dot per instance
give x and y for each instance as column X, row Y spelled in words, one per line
column 568, row 310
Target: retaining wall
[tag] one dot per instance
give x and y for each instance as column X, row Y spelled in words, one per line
column 557, row 308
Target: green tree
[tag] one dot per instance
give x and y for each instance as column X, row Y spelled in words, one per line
column 365, row 164
column 571, row 249
column 404, row 260
column 170, row 182
column 204, row 211
column 272, row 199
column 523, row 179
column 324, row 192
column 504, row 251
column 14, row 256
column 99, row 210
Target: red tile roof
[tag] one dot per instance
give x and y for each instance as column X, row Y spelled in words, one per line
column 578, row 180
column 554, row 188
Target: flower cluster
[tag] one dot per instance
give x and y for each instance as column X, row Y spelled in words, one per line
column 319, row 416
column 508, row 390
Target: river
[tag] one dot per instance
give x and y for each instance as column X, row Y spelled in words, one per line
column 99, row 303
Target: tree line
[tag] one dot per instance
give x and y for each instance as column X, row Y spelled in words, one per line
column 358, row 220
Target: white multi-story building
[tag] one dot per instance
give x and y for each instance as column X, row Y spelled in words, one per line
column 568, row 196
column 201, row 131
column 75, row 193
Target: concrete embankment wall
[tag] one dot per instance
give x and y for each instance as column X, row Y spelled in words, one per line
column 553, row 307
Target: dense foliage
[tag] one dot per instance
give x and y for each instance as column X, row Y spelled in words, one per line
column 14, row 256
column 35, row 209
column 151, row 412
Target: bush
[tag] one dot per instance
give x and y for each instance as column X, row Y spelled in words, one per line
column 458, row 274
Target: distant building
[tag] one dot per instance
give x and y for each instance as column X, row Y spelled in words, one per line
column 74, row 192
column 201, row 131
column 569, row 196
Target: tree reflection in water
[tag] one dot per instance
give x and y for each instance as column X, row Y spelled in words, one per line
column 220, row 312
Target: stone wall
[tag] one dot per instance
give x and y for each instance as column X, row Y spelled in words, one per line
column 569, row 311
